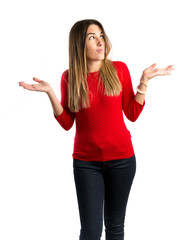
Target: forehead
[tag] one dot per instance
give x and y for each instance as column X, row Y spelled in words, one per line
column 93, row 28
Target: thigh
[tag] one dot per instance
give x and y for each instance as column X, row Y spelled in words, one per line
column 118, row 182
column 89, row 184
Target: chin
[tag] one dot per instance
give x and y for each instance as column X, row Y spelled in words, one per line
column 102, row 58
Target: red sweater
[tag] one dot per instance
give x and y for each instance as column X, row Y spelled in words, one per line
column 101, row 133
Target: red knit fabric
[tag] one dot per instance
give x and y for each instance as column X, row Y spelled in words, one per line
column 101, row 133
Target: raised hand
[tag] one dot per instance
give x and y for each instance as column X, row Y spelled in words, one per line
column 151, row 71
column 42, row 86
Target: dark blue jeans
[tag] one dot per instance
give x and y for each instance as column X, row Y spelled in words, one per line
column 103, row 185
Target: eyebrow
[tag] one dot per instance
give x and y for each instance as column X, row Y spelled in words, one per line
column 92, row 33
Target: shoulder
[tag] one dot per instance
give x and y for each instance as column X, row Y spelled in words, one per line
column 120, row 66
column 64, row 79
column 64, row 76
column 122, row 69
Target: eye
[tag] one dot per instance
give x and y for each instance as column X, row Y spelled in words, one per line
column 91, row 37
column 102, row 36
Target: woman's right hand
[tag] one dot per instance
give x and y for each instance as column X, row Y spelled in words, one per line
column 42, row 86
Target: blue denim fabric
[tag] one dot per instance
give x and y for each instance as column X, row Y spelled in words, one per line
column 103, row 189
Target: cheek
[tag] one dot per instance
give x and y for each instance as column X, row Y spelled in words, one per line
column 89, row 51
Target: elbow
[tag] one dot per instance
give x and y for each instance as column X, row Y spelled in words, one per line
column 133, row 115
column 130, row 116
column 67, row 127
column 132, row 119
column 133, row 110
column 65, row 120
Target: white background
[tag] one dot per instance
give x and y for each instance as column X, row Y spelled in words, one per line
column 37, row 190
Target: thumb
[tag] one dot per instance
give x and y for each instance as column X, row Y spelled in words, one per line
column 154, row 65
column 36, row 79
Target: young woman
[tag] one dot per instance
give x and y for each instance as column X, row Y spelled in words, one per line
column 95, row 92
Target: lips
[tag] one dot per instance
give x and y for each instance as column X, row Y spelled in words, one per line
column 100, row 50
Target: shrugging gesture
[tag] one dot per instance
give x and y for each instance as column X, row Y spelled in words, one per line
column 42, row 86
column 149, row 73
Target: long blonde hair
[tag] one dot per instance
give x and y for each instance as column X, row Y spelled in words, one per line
column 78, row 89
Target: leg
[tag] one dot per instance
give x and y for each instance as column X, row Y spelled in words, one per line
column 90, row 194
column 118, row 181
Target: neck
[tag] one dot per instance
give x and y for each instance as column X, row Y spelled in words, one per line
column 93, row 66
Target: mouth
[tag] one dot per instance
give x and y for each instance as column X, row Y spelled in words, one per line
column 100, row 50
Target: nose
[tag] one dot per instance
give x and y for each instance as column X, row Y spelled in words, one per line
column 99, row 42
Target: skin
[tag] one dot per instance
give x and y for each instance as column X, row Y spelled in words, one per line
column 149, row 73
column 95, row 48
column 94, row 43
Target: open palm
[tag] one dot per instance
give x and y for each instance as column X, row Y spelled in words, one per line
column 151, row 71
column 41, row 85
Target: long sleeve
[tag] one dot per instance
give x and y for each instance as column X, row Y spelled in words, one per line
column 131, row 107
column 66, row 118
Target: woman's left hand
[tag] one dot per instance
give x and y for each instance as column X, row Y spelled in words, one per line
column 151, row 72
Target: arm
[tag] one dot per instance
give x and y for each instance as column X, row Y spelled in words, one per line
column 43, row 86
column 57, row 107
column 149, row 73
column 131, row 107
column 64, row 116
column 133, row 104
column 60, row 110
column 139, row 97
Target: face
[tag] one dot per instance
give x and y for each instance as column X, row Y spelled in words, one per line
column 95, row 44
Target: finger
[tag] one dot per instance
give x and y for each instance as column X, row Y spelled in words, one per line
column 153, row 65
column 36, row 79
column 22, row 84
column 167, row 72
column 168, row 69
column 27, row 86
column 150, row 67
column 171, row 66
